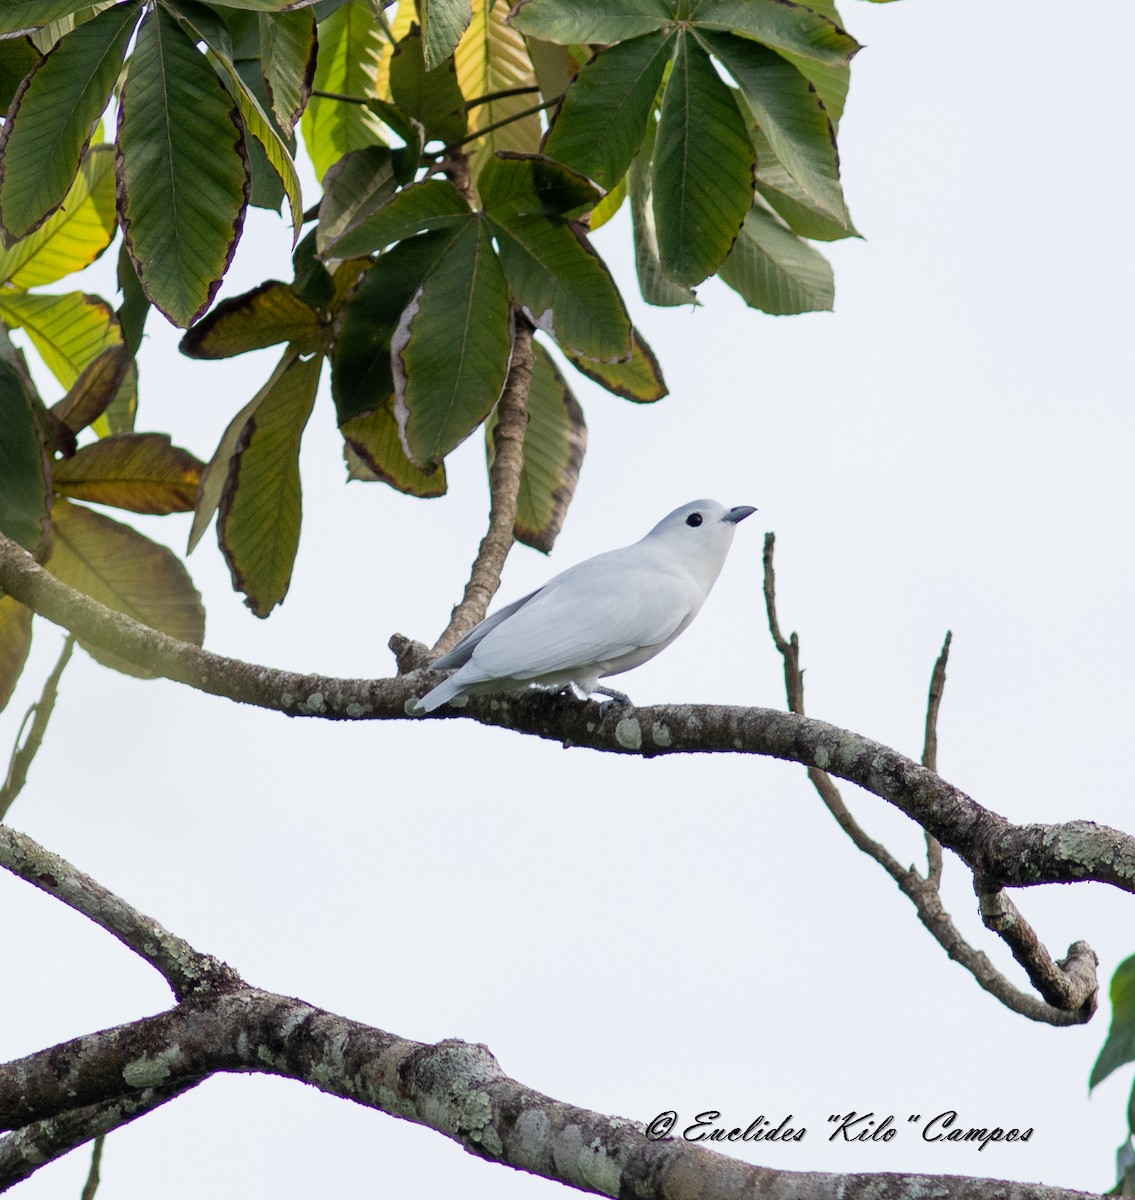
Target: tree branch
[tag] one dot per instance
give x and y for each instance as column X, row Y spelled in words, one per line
column 40, row 713
column 930, row 754
column 184, row 969
column 453, row 1087
column 23, row 1152
column 504, row 485
column 1069, row 988
column 1003, row 853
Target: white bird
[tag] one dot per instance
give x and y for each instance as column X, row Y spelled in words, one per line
column 598, row 618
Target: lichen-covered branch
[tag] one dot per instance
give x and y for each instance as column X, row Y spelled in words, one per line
column 453, row 1087
column 1002, row 853
column 504, row 485
column 184, row 969
column 1069, row 989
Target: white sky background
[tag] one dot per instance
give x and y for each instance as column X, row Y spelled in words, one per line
column 950, row 449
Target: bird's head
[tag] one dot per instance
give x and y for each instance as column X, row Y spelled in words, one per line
column 701, row 531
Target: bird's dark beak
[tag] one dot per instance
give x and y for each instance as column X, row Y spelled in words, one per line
column 735, row 515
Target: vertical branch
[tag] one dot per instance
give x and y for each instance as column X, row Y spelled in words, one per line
column 92, row 1184
column 930, row 755
column 40, row 714
column 504, row 483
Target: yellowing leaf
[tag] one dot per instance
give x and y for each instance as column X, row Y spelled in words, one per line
column 141, row 472
column 74, row 236
column 69, row 331
column 258, row 526
column 374, row 453
column 120, row 568
column 269, row 314
column 15, row 642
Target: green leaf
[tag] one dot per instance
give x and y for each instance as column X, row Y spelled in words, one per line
column 491, row 58
column 790, row 114
column 703, row 168
column 638, row 379
column 17, row 57
column 258, row 526
column 431, row 204
column 257, row 123
column 577, row 21
column 775, row 271
column 554, row 65
column 183, row 175
column 288, row 50
column 831, row 81
column 24, row 493
column 373, row 452
column 781, row 25
column 555, row 275
column 269, row 314
column 1120, row 1045
column 69, row 331
column 22, row 16
column 350, row 49
column 72, row 237
column 94, row 390
column 443, row 23
column 656, row 286
column 135, row 307
column 362, row 375
column 451, row 349
column 528, row 184
column 353, row 189
column 53, row 115
column 15, row 642
column 120, row 568
column 602, row 121
column 431, row 97
column 141, row 472
column 266, row 6
column 789, row 199
column 555, row 439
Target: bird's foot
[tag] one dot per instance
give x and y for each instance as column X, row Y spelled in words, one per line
column 614, row 696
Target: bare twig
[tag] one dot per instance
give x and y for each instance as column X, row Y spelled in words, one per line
column 1066, row 1002
column 504, row 484
column 1006, row 854
column 930, row 754
column 40, row 713
column 186, row 970
column 92, row 1184
column 495, row 125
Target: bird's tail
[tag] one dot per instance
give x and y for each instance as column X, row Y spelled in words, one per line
column 444, row 691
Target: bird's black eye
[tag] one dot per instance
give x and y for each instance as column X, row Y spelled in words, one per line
column 694, row 519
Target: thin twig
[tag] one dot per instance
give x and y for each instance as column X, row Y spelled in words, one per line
column 930, row 754
column 92, row 1184
column 504, row 484
column 186, row 970
column 40, row 713
column 1070, row 1002
column 495, row 125
column 504, row 94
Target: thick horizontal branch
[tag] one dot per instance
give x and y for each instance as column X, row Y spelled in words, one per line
column 999, row 852
column 453, row 1087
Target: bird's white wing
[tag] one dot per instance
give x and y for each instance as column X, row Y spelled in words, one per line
column 595, row 612
column 463, row 650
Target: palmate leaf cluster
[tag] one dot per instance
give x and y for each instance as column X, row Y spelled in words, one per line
column 466, row 151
